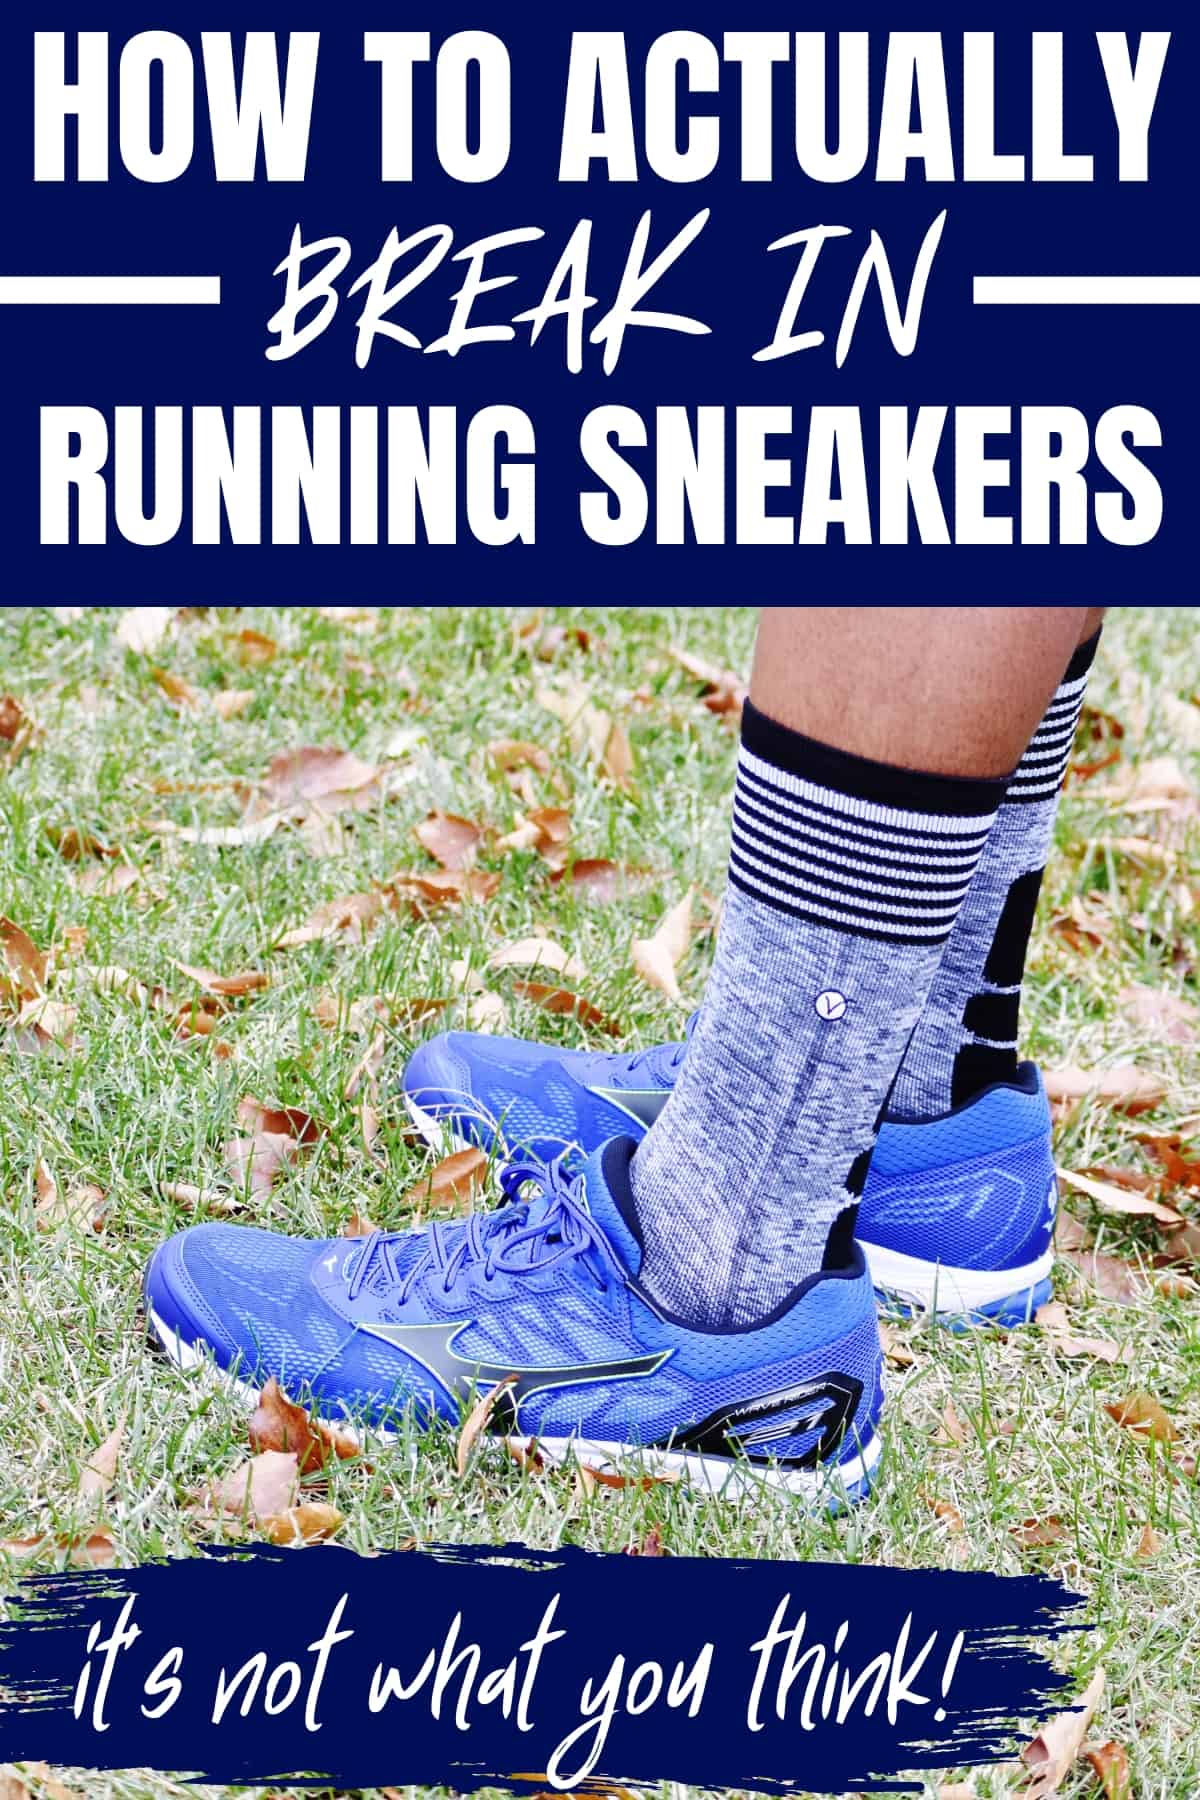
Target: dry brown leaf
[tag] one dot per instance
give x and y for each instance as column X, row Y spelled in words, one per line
column 186, row 1193
column 143, row 628
column 101, row 1467
column 13, row 717
column 949, row 1514
column 246, row 981
column 253, row 648
column 894, row 1346
column 1058, row 1743
column 258, row 1115
column 1085, row 927
column 450, row 839
column 230, row 703
column 221, row 837
column 455, row 1178
column 445, row 887
column 1162, row 778
column 1110, row 1765
column 486, row 1012
column 315, row 773
column 1055, row 1321
column 1166, row 1148
column 260, row 1488
column 654, row 958
column 275, row 1137
column 1123, row 1087
column 310, row 1523
column 22, row 964
column 595, row 877
column 353, row 914
column 1134, row 1181
column 1144, row 1415
column 1039, row 1534
column 179, row 692
column 611, row 1478
column 277, row 1423
column 476, row 1423
column 74, row 845
column 1139, row 849
column 588, row 728
column 723, row 690
column 514, row 753
column 1118, row 1200
column 618, row 756
column 1167, row 1015
column 1114, row 1279
column 651, row 1545
column 96, row 1550
column 537, row 953
column 106, row 884
column 358, row 1225
column 562, row 1000
column 40, row 1023
column 1149, row 1544
column 951, row 1430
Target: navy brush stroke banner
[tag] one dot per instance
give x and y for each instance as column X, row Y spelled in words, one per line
column 526, row 1669
column 1089, row 358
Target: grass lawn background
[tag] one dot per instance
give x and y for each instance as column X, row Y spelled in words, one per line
column 132, row 1106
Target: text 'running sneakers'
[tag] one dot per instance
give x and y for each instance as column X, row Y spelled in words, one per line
column 540, row 1299
column 957, row 1215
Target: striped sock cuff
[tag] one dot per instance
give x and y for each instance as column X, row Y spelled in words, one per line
column 851, row 844
column 1042, row 769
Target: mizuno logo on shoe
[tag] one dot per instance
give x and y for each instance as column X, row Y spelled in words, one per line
column 464, row 1377
column 642, row 1104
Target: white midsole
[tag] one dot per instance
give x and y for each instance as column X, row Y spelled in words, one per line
column 928, row 1285
column 938, row 1286
column 715, row 1474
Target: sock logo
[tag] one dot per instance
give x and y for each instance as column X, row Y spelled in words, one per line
column 830, row 1004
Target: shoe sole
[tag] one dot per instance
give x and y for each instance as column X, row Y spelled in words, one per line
column 904, row 1285
column 835, row 1487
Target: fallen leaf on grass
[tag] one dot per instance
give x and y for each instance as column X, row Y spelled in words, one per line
column 1145, row 1416
column 220, row 837
column 40, row 1023
column 1118, row 1200
column 486, row 1012
column 315, row 774
column 537, row 952
column 894, row 1346
column 358, row 1225
column 310, row 1523
column 611, row 1478
column 723, row 690
column 1123, row 1087
column 246, row 981
column 618, row 756
column 456, row 1178
column 143, row 628
column 651, row 1545
column 96, row 1550
column 446, row 887
column 1039, row 1534
column 23, row 965
column 563, row 1001
column 949, row 1514
column 1059, row 1742
column 13, row 717
column 260, row 1488
column 1149, row 1544
column 186, row 1193
column 231, row 702
column 1166, row 1148
column 352, row 914
column 450, row 839
column 476, row 1423
column 545, row 829
column 1110, row 1765
column 514, row 753
column 1084, row 927
column 1055, row 1322
column 1167, row 1015
column 277, row 1423
column 1149, row 785
column 106, row 884
column 1114, row 1279
column 177, row 690
column 588, row 728
column 595, row 877
column 101, row 1467
column 1134, row 1181
column 951, row 1429
column 74, row 845
column 655, row 958
column 254, row 649
column 276, row 1136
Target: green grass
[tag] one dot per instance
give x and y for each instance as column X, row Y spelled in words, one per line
column 133, row 1107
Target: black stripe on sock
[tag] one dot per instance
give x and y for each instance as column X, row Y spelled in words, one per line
column 993, row 1015
column 862, row 779
column 978, row 1066
column 1005, row 964
column 1083, row 659
column 854, row 927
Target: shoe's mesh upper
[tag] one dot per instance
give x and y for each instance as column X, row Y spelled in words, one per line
column 994, row 1211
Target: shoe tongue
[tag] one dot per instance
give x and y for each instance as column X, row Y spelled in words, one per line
column 610, row 1198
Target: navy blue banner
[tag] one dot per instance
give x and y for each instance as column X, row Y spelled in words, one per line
column 801, row 306
column 472, row 1666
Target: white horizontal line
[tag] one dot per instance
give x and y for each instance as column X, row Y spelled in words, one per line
column 1086, row 290
column 110, row 290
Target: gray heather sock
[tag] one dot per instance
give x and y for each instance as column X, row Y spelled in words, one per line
column 967, row 1035
column 845, row 880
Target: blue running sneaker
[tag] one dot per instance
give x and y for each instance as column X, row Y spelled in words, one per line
column 540, row 1298
column 958, row 1213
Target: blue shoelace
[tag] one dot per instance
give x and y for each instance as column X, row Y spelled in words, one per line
column 551, row 1226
